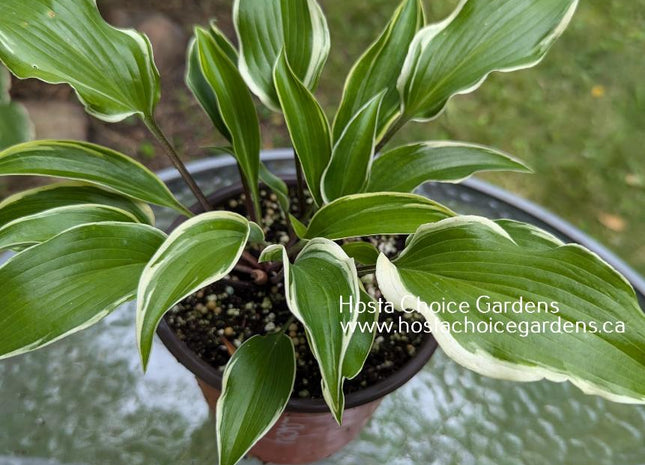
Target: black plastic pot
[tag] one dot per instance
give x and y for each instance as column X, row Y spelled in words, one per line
column 307, row 431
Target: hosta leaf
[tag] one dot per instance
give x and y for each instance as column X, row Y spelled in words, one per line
column 40, row 199
column 465, row 258
column 40, row 227
column 198, row 84
column 456, row 55
column 379, row 68
column 307, row 125
column 363, row 252
column 70, row 282
column 257, row 385
column 91, row 163
column 306, row 39
column 235, row 105
column 405, row 168
column 5, row 85
column 371, row 214
column 277, row 185
column 315, row 283
column 15, row 126
column 348, row 170
column 202, row 91
column 58, row 42
column 362, row 340
column 200, row 252
column 265, row 28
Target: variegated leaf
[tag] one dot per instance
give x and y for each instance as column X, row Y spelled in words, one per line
column 456, row 55
column 322, row 277
column 539, row 309
column 265, row 28
column 58, row 42
column 40, row 227
column 373, row 214
column 349, row 168
column 307, row 123
column 70, row 282
column 405, row 168
column 257, row 384
column 379, row 68
column 82, row 161
column 198, row 253
column 40, row 199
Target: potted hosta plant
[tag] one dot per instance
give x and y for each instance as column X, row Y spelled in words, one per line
column 290, row 274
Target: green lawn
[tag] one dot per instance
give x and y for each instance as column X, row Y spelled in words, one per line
column 578, row 118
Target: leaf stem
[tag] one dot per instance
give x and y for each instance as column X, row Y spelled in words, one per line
column 300, row 186
column 252, row 208
column 285, row 326
column 365, row 270
column 156, row 131
column 396, row 127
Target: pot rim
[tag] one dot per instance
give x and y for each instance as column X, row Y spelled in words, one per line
column 474, row 185
column 213, row 377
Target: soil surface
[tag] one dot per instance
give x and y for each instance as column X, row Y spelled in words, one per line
column 220, row 317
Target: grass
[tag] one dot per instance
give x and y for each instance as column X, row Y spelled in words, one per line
column 577, row 118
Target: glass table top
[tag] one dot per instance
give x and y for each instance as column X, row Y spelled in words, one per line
column 85, row 401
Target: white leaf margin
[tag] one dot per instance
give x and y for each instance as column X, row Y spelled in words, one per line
column 322, row 43
column 272, row 253
column 96, row 318
column 425, row 36
column 5, row 229
column 145, row 288
column 334, row 152
column 143, row 207
column 220, row 401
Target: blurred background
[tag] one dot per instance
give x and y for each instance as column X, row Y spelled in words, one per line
column 578, row 118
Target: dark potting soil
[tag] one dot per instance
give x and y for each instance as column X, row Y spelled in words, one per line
column 220, row 317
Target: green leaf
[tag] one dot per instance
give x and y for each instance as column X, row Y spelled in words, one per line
column 5, row 85
column 198, row 84
column 40, row 227
column 372, row 214
column 90, row 163
column 236, row 107
column 265, row 28
column 56, row 195
column 298, row 227
column 198, row 253
column 351, row 160
column 277, row 185
column 464, row 258
column 202, row 91
column 70, row 282
column 362, row 340
column 405, row 168
column 363, row 252
column 307, row 123
column 58, row 42
column 256, row 388
column 315, row 283
column 15, row 126
column 457, row 55
column 379, row 68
